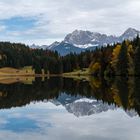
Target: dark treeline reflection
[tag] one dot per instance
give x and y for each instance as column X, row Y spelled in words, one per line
column 19, row 94
column 123, row 92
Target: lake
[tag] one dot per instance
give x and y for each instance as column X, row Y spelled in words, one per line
column 67, row 109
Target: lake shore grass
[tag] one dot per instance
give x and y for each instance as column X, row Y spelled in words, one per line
column 84, row 71
column 78, row 74
column 10, row 75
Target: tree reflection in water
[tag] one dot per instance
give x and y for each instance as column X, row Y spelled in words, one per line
column 121, row 92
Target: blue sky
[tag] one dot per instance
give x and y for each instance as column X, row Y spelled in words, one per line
column 44, row 21
column 18, row 23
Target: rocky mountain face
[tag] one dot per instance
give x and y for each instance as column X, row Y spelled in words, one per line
column 85, row 39
column 88, row 39
column 79, row 40
column 129, row 34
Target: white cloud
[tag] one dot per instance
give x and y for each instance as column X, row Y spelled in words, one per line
column 56, row 123
column 57, row 18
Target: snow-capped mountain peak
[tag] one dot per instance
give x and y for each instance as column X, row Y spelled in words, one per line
column 79, row 41
column 79, row 37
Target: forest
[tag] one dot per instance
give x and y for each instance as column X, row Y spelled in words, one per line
column 121, row 59
column 18, row 55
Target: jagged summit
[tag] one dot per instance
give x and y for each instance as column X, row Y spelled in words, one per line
column 79, row 37
column 130, row 34
column 80, row 40
column 131, row 30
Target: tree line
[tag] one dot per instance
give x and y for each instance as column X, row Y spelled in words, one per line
column 18, row 55
column 121, row 59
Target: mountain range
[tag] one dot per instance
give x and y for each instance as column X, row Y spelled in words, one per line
column 79, row 41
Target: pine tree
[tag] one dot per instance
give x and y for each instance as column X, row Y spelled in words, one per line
column 122, row 64
column 137, row 61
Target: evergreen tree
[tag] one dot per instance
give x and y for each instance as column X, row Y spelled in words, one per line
column 137, row 61
column 122, row 65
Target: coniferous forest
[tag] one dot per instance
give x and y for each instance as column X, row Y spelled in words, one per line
column 122, row 59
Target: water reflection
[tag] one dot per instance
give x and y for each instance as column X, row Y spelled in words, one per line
column 118, row 92
column 60, row 108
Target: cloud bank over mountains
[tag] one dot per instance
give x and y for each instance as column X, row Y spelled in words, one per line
column 44, row 21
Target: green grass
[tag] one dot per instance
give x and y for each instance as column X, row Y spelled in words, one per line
column 84, row 71
column 78, row 74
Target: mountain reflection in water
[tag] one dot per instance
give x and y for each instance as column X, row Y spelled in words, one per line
column 65, row 109
column 79, row 97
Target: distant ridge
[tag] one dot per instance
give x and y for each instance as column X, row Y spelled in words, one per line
column 80, row 40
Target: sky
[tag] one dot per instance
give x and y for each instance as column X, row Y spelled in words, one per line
column 44, row 21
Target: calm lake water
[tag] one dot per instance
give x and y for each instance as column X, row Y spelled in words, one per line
column 67, row 109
